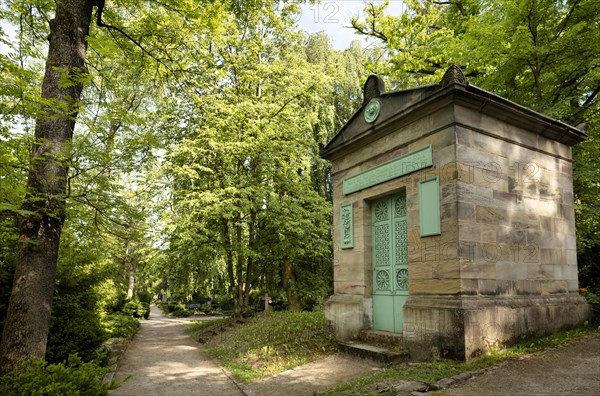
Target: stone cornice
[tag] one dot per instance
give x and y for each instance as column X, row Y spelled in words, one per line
column 401, row 108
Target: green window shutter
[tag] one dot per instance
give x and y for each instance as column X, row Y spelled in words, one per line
column 347, row 227
column 429, row 207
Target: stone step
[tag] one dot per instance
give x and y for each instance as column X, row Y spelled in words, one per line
column 377, row 353
column 380, row 338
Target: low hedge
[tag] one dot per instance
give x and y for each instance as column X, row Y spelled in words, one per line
column 74, row 378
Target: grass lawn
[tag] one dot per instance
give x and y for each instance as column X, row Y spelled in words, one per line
column 267, row 343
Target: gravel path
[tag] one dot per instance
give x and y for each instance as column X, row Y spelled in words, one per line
column 570, row 369
column 163, row 360
column 313, row 377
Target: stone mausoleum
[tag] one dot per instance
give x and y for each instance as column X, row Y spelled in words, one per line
column 453, row 220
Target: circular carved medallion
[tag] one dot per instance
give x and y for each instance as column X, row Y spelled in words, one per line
column 400, row 206
column 372, row 111
column 382, row 280
column 381, row 211
column 402, row 279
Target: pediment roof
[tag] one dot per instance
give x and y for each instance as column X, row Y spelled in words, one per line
column 403, row 106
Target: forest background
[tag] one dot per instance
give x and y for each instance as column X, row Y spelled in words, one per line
column 190, row 164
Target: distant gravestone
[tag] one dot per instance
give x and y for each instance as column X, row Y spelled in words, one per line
column 267, row 303
column 453, row 219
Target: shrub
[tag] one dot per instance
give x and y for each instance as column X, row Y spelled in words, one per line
column 75, row 326
column 35, row 377
column 146, row 310
column 144, row 297
column 120, row 325
column 168, row 307
column 137, row 309
column 594, row 300
column 180, row 312
column 224, row 302
column 76, row 333
column 175, row 309
column 111, row 297
column 206, row 307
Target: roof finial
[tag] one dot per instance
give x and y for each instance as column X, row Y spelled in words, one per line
column 374, row 87
column 453, row 76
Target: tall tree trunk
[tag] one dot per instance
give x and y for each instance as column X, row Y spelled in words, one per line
column 289, row 285
column 131, row 263
column 250, row 264
column 131, row 280
column 229, row 257
column 26, row 328
column 239, row 302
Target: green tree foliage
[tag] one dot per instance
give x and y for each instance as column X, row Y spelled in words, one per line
column 244, row 203
column 586, row 184
column 112, row 145
column 235, row 100
column 347, row 73
column 241, row 99
column 543, row 54
column 17, row 84
column 13, row 162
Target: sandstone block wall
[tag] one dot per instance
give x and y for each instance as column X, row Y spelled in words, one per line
column 518, row 228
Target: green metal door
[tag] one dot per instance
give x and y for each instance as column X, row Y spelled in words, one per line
column 390, row 262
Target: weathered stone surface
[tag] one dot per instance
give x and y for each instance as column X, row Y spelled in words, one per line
column 453, row 75
column 510, row 235
column 478, row 270
column 446, row 269
column 510, row 270
column 434, row 286
column 463, row 376
column 344, row 314
column 402, row 139
column 466, row 211
column 423, row 270
column 529, row 287
column 490, row 215
column 381, row 338
column 410, row 386
column 376, row 353
column 442, row 384
column 475, row 194
column 374, row 87
column 487, row 287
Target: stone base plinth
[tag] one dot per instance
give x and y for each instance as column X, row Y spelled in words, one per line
column 464, row 327
column 347, row 315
